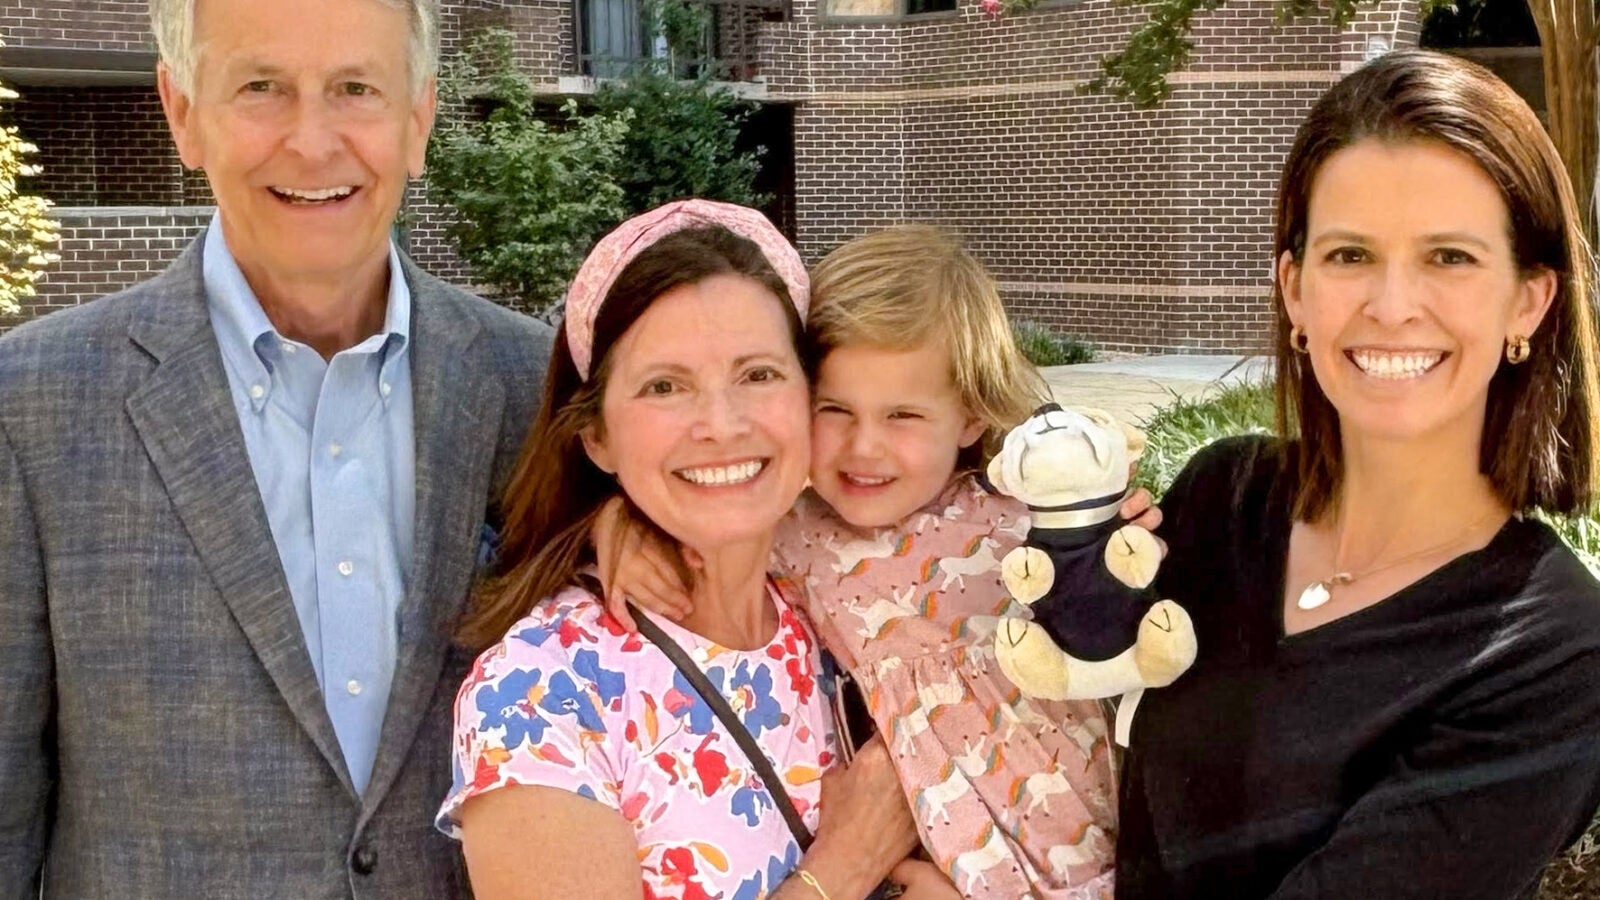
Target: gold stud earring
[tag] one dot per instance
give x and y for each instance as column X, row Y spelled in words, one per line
column 1298, row 340
column 1517, row 349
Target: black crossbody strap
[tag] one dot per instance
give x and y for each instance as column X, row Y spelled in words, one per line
column 730, row 721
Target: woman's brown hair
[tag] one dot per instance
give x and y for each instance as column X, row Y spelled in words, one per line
column 1540, row 432
column 555, row 490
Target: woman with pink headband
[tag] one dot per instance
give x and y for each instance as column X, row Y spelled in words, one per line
column 697, row 759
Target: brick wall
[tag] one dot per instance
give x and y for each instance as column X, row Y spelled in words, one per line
column 103, row 146
column 79, row 24
column 65, row 142
column 104, row 250
column 1141, row 230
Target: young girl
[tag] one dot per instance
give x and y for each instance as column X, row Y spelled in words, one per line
column 916, row 379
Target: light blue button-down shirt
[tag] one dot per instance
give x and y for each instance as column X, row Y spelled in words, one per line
column 331, row 446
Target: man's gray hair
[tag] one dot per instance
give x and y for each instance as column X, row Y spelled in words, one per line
column 173, row 23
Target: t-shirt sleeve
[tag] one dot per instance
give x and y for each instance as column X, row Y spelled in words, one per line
column 535, row 712
column 1500, row 780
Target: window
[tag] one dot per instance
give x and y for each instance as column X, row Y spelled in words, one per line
column 613, row 37
column 886, row 9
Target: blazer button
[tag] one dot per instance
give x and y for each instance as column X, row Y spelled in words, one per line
column 365, row 860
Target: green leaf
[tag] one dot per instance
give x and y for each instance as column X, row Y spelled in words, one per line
column 534, row 186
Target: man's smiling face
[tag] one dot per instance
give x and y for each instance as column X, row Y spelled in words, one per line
column 303, row 117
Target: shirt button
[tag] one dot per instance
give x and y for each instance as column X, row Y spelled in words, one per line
column 257, row 392
column 346, row 568
column 384, row 388
column 288, row 347
column 353, row 687
column 335, row 450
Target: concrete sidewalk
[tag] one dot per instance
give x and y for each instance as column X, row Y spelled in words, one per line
column 1133, row 389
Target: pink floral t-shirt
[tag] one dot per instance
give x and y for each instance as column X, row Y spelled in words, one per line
column 570, row 700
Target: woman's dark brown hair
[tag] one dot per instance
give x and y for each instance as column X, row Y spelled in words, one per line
column 554, row 491
column 1540, row 432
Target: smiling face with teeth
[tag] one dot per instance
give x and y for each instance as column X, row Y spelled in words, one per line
column 1408, row 289
column 705, row 415
column 305, row 122
column 887, row 429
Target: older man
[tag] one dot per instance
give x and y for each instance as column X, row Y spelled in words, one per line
column 241, row 503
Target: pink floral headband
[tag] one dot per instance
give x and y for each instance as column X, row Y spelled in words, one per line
column 619, row 248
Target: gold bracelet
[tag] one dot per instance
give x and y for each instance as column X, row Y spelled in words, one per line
column 811, row 879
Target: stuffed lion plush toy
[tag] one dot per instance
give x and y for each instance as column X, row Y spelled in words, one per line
column 1097, row 629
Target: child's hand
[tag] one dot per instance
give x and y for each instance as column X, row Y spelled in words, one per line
column 634, row 565
column 1140, row 509
column 923, row 880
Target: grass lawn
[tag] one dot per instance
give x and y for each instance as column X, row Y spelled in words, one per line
column 1184, row 426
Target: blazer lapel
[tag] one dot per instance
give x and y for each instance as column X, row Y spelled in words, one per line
column 457, row 405
column 183, row 414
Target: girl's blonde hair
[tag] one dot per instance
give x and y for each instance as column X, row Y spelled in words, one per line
column 904, row 286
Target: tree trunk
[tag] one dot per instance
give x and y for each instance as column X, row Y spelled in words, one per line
column 1568, row 33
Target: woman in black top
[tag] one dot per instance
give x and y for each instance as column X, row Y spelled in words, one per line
column 1398, row 687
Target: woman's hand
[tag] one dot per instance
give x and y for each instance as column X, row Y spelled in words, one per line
column 866, row 828
column 922, row 880
column 634, row 565
column 1140, row 509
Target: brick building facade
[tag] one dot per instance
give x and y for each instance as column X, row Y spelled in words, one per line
column 1140, row 230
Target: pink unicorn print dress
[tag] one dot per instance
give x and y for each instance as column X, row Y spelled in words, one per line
column 1015, row 797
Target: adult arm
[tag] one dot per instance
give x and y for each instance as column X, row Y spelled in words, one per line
column 545, row 843
column 27, row 671
column 1476, row 809
column 520, row 841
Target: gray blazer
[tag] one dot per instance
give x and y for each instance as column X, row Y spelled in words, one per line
column 161, row 730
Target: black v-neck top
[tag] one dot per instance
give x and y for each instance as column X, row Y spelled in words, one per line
column 1443, row 743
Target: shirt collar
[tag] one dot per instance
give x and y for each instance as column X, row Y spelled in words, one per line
column 249, row 342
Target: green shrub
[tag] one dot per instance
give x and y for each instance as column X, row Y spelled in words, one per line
column 532, row 192
column 527, row 248
column 1044, row 347
column 1182, row 427
column 688, row 27
column 682, row 141
column 530, row 199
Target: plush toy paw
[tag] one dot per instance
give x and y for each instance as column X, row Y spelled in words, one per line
column 1031, row 660
column 1133, row 555
column 1028, row 574
column 1166, row 647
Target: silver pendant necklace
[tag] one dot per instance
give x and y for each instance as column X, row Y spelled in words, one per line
column 1318, row 593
